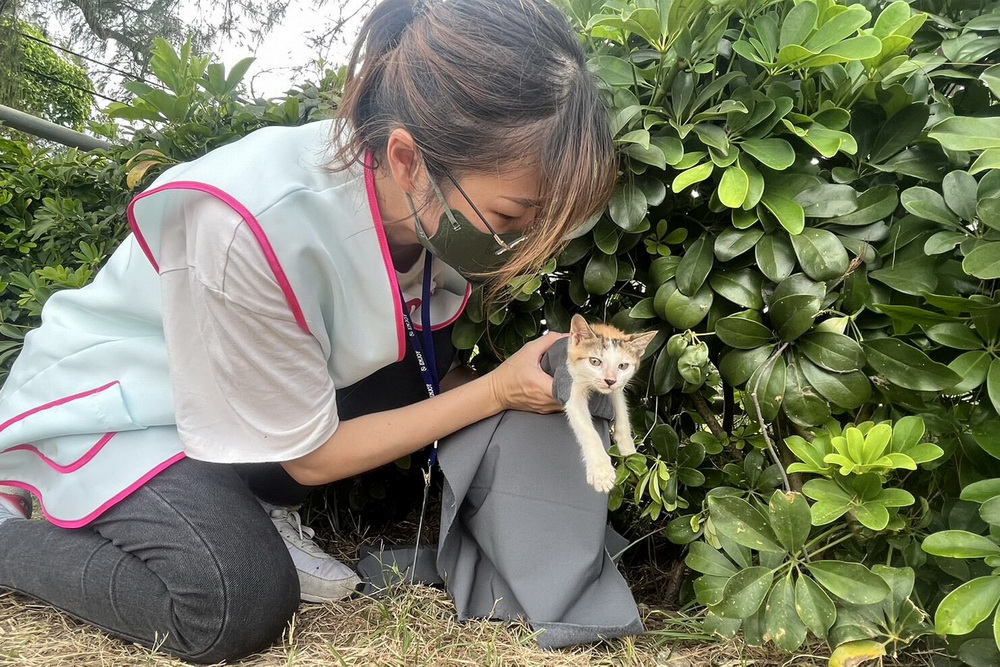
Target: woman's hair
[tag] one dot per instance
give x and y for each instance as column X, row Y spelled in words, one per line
column 485, row 85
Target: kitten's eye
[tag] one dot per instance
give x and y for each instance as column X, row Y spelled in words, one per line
column 594, row 361
column 623, row 366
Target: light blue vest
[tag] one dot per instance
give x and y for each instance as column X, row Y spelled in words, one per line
column 87, row 416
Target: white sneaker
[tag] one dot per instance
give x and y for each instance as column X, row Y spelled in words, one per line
column 322, row 578
column 15, row 503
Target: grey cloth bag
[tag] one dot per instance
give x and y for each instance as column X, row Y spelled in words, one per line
column 523, row 536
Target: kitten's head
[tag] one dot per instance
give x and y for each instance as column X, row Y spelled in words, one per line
column 602, row 357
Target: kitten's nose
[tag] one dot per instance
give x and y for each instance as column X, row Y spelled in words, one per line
column 610, row 382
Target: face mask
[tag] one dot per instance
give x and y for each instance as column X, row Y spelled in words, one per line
column 460, row 245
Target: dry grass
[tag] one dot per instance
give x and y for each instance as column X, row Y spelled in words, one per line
column 412, row 626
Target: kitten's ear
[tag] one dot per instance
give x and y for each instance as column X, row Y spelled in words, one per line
column 640, row 341
column 579, row 330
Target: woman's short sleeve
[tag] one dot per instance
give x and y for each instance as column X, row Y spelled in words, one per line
column 249, row 384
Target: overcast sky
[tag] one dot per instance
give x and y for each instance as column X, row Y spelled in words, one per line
column 285, row 48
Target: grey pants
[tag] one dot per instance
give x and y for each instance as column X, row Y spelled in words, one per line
column 190, row 562
column 165, row 567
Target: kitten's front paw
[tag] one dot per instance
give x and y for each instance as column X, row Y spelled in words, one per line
column 625, row 444
column 601, row 476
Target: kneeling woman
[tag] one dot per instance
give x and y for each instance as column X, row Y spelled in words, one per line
column 264, row 287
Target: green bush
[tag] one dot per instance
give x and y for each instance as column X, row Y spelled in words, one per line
column 808, row 213
column 62, row 212
column 809, row 210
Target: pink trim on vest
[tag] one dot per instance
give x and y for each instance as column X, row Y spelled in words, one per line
column 72, row 467
column 78, row 523
column 55, row 403
column 458, row 313
column 397, row 300
column 248, row 217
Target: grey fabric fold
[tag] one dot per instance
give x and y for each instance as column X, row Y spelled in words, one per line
column 523, row 536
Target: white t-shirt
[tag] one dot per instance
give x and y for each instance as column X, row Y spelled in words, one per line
column 249, row 384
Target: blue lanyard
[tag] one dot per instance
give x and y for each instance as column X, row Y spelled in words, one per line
column 424, row 350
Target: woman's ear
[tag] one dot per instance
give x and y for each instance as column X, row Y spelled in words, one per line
column 403, row 159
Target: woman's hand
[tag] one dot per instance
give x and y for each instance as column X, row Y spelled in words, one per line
column 519, row 383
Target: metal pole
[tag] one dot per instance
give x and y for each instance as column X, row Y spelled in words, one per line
column 50, row 131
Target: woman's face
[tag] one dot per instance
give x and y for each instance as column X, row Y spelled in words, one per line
column 508, row 200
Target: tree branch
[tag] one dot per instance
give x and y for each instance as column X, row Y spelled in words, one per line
column 705, row 412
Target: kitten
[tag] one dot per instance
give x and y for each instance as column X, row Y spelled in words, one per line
column 601, row 358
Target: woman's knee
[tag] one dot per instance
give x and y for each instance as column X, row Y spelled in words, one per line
column 248, row 613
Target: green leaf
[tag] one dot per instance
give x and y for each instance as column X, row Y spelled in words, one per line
column 802, row 403
column 990, row 511
column 988, row 159
column 828, row 200
column 710, row 590
column 981, row 491
column 908, row 367
column 781, row 622
column 993, row 384
column 790, row 215
column 960, row 193
column 790, row 519
column 775, row 153
column 703, row 558
column 731, row 243
column 912, row 276
column 962, row 133
column 601, row 273
column 836, row 30
column 767, row 388
column 744, row 288
column 745, row 592
column 955, row 335
column 876, row 203
column 832, row 351
column 799, row 23
column 972, row 367
column 737, row 366
column 929, row 205
column 959, row 544
column 734, row 187
column 775, row 256
column 814, row 606
column 942, row 242
column 987, row 436
column 832, row 502
column 967, row 606
column 628, row 207
column 991, row 77
column 852, row 582
column 988, row 210
column 695, row 266
column 821, row 254
column 742, row 523
column 845, row 390
column 685, row 312
column 793, row 315
column 691, row 176
column 872, row 515
column 907, row 432
column 899, row 132
column 983, row 262
column 925, row 162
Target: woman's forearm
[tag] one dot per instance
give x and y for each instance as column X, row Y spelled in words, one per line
column 367, row 442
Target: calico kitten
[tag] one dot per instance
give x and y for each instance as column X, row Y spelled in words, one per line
column 603, row 359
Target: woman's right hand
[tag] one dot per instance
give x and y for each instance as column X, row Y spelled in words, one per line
column 519, row 383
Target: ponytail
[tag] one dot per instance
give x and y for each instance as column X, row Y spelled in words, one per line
column 482, row 85
column 380, row 34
